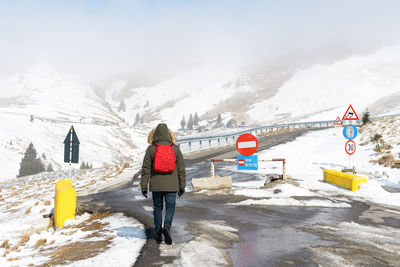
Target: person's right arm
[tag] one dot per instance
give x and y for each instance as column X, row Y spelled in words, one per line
column 146, row 169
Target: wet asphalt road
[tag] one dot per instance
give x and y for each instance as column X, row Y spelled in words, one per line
column 268, row 235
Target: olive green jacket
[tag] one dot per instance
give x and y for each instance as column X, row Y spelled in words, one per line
column 170, row 182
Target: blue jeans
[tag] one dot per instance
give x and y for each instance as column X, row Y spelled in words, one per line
column 170, row 198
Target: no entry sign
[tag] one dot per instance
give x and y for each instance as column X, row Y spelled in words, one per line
column 246, row 144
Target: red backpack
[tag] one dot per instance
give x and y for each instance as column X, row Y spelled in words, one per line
column 164, row 158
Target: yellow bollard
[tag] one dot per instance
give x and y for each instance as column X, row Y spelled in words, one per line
column 64, row 202
column 346, row 180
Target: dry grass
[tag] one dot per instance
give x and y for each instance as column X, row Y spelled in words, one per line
column 70, row 232
column 40, row 243
column 28, row 210
column 395, row 164
column 14, row 248
column 13, row 259
column 386, row 160
column 42, row 210
column 37, row 203
column 47, row 202
column 5, row 244
column 126, row 165
column 77, row 251
column 25, row 238
column 14, row 204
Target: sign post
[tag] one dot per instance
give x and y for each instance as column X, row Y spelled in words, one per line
column 350, row 132
column 337, row 124
column 247, row 145
column 71, row 148
column 350, row 148
column 350, row 114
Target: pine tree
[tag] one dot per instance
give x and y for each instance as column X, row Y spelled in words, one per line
column 219, row 119
column 50, row 168
column 365, row 117
column 83, row 165
column 31, row 119
column 30, row 164
column 183, row 122
column 43, row 156
column 196, row 119
column 87, row 166
column 190, row 122
column 122, row 106
column 91, row 165
column 137, row 118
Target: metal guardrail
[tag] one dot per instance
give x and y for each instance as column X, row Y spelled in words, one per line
column 232, row 136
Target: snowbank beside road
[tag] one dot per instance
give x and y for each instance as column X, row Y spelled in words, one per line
column 306, row 156
column 88, row 240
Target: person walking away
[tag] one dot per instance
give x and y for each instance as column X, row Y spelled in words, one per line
column 164, row 167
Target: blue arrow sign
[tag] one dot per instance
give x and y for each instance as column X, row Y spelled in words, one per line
column 71, row 147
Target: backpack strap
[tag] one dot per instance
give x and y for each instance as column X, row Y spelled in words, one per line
column 155, row 145
column 172, row 145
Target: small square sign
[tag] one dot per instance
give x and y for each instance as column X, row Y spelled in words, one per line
column 247, row 162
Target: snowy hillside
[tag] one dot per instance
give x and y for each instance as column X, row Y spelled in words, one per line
column 195, row 90
column 56, row 102
column 105, row 122
column 324, row 91
column 320, row 92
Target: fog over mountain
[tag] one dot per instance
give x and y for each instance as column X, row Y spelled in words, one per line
column 117, row 68
column 155, row 39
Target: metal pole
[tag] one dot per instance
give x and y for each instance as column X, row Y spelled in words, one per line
column 70, row 154
column 212, row 169
column 284, row 170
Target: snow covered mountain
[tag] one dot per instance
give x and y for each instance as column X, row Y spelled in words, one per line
column 40, row 105
column 323, row 92
column 104, row 114
column 319, row 92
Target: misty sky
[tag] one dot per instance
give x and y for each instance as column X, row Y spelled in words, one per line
column 110, row 37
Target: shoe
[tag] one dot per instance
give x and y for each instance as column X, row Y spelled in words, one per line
column 158, row 238
column 167, row 235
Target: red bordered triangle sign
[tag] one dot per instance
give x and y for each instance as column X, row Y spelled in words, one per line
column 350, row 114
column 337, row 121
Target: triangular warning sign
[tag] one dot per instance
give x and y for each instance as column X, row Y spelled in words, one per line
column 350, row 114
column 338, row 121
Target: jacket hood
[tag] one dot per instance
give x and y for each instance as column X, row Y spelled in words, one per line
column 161, row 133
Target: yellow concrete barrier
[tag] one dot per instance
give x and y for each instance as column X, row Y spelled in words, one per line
column 64, row 202
column 346, row 180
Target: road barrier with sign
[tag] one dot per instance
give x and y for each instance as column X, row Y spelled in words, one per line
column 217, row 182
column 261, row 160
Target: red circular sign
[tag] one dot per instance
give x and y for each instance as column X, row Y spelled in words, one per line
column 241, row 162
column 247, row 144
column 350, row 147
